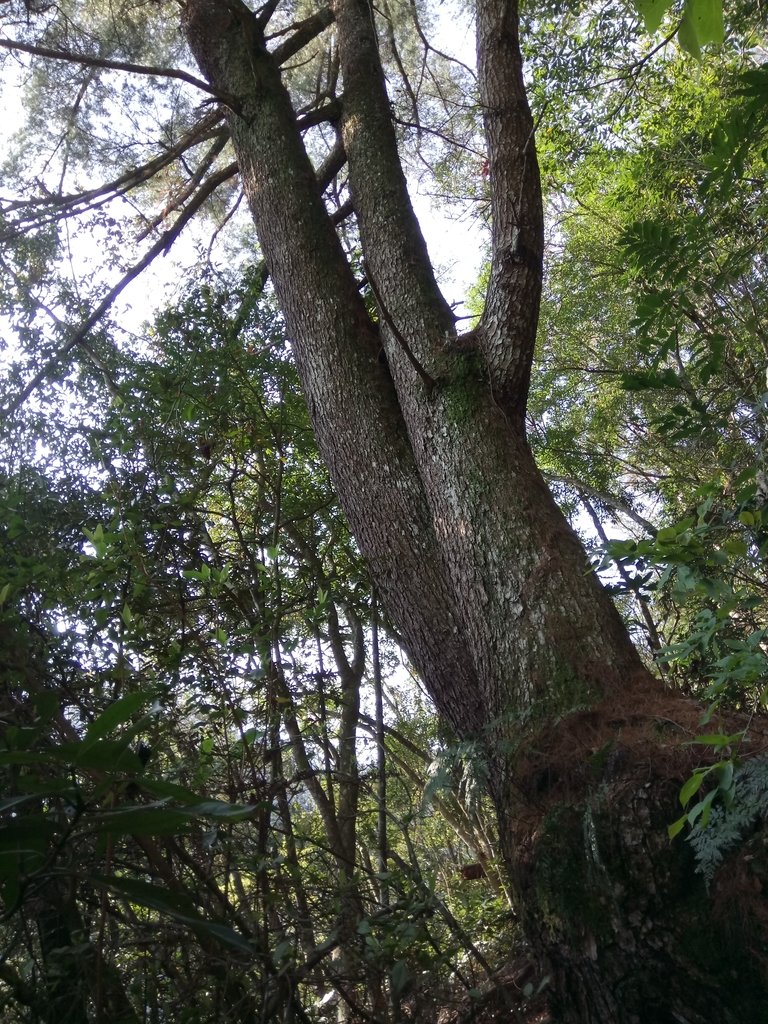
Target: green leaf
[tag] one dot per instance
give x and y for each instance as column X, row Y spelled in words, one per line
column 111, row 756
column 686, row 36
column 47, row 703
column 736, row 546
column 717, row 739
column 692, row 785
column 160, row 819
column 118, row 713
column 706, row 17
column 48, row 787
column 221, row 809
column 16, row 801
column 24, row 757
column 149, row 820
column 400, row 977
column 725, row 774
column 161, row 788
column 30, row 834
column 702, row 810
column 647, row 381
column 652, row 12
column 177, row 905
column 702, row 23
column 676, row 826
column 666, row 535
column 283, row 950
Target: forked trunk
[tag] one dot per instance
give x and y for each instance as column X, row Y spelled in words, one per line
column 519, row 646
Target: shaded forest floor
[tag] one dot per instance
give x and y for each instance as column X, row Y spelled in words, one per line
column 516, row 995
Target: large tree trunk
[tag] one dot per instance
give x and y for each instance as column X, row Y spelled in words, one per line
column 487, row 584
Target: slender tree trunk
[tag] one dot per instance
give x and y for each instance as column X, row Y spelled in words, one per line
column 66, row 998
column 520, row 647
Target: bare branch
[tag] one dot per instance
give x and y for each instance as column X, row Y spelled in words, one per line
column 392, row 40
column 265, row 13
column 611, row 500
column 340, row 214
column 448, row 139
column 429, row 48
column 305, row 32
column 329, row 112
column 183, row 194
column 65, row 205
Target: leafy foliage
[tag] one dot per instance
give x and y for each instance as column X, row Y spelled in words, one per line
column 702, row 21
column 729, row 824
column 184, row 654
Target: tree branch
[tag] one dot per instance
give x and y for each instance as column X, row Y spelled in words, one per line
column 264, row 14
column 79, row 202
column 306, row 31
column 507, row 330
column 329, row 112
column 611, row 500
column 118, row 65
column 163, row 244
column 183, row 194
column 392, row 239
column 331, row 166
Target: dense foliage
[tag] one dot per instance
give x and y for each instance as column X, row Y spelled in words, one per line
column 190, row 730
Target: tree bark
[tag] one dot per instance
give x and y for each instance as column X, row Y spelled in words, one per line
column 520, row 647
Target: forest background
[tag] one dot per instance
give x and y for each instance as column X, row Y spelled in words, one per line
column 228, row 797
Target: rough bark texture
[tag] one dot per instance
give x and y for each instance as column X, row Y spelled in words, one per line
column 487, row 584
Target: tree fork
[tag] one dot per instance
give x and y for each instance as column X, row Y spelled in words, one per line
column 519, row 645
column 351, row 400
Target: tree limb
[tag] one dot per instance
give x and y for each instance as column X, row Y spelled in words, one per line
column 62, row 206
column 507, row 330
column 329, row 112
column 392, row 239
column 117, row 65
column 305, row 32
column 608, row 499
column 183, row 194
column 163, row 244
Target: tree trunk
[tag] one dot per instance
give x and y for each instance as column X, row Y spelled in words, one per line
column 520, row 647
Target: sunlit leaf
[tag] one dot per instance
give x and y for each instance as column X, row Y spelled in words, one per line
column 652, row 12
